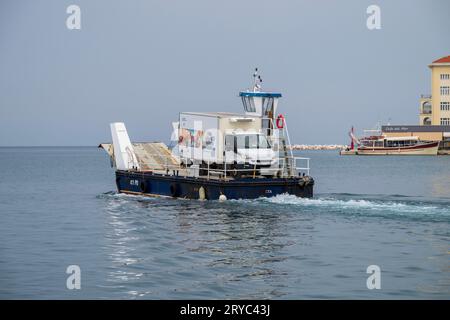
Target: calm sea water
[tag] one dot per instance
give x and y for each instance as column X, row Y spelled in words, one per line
column 59, row 207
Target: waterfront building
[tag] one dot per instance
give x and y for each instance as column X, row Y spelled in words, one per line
column 434, row 110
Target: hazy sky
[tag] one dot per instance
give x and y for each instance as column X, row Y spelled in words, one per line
column 143, row 62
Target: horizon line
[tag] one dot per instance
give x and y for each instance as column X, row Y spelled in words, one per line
column 96, row 146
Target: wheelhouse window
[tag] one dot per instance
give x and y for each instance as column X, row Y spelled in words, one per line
column 244, row 103
column 249, row 104
column 267, row 107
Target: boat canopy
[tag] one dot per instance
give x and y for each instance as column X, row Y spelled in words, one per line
column 401, row 138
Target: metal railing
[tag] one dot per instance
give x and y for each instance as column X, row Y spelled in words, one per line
column 227, row 172
column 302, row 169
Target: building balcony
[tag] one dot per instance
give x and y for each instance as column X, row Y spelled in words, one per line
column 425, row 96
column 425, row 111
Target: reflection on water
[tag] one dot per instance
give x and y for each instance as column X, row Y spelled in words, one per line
column 265, row 248
column 162, row 241
column 389, row 211
column 440, row 185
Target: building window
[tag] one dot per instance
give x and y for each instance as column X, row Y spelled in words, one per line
column 445, row 76
column 445, row 121
column 426, row 107
column 427, row 121
column 445, row 91
column 445, row 106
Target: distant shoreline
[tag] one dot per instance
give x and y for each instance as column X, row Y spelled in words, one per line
column 318, row 146
column 293, row 147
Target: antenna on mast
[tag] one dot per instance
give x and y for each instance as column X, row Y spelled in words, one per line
column 256, row 81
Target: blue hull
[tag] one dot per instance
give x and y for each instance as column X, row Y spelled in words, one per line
column 148, row 183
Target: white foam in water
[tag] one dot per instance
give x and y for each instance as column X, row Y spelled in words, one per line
column 355, row 204
column 330, row 204
column 125, row 196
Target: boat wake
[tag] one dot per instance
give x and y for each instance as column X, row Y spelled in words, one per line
column 124, row 196
column 376, row 205
column 393, row 206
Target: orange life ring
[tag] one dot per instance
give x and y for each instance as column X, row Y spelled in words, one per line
column 280, row 121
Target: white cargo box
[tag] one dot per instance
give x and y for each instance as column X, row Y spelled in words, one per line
column 202, row 135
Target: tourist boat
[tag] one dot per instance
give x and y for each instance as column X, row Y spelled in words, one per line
column 382, row 145
column 217, row 155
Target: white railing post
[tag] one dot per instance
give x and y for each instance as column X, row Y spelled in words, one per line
column 299, row 169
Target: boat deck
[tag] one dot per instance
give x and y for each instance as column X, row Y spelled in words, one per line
column 155, row 157
column 151, row 156
column 348, row 152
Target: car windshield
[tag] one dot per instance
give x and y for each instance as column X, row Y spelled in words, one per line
column 252, row 141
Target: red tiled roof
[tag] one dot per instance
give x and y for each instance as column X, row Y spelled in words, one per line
column 443, row 60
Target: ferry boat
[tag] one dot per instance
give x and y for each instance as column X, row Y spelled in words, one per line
column 217, row 156
column 379, row 144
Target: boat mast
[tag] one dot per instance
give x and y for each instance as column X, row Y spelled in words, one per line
column 256, row 81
